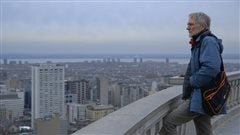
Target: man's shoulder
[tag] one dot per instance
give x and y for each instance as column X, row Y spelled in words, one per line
column 210, row 39
column 212, row 42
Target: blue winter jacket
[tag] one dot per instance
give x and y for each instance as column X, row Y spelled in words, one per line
column 202, row 69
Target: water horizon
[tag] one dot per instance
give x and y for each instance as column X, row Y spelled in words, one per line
column 89, row 60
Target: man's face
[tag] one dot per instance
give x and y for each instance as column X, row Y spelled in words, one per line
column 193, row 27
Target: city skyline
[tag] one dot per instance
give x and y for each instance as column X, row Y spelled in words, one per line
column 111, row 27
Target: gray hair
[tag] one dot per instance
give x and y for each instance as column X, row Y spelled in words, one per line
column 201, row 18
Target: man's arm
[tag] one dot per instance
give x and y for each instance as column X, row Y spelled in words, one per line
column 186, row 84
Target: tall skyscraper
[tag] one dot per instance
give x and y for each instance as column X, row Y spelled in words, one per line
column 102, row 90
column 140, row 59
column 80, row 88
column 82, row 91
column 116, row 95
column 5, row 61
column 135, row 59
column 47, row 91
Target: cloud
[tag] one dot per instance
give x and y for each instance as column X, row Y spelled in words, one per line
column 85, row 25
column 55, row 33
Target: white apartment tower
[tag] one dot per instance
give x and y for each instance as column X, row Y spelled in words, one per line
column 47, row 91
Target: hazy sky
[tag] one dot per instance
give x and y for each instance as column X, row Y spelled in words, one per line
column 89, row 27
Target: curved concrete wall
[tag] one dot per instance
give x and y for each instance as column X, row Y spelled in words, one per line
column 144, row 117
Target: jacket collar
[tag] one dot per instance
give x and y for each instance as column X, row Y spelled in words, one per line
column 201, row 34
column 197, row 38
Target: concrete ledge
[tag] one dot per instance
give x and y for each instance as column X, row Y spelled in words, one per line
column 134, row 116
column 144, row 116
column 176, row 80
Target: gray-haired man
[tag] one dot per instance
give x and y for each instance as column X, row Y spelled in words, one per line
column 204, row 65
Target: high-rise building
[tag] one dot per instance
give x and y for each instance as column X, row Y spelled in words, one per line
column 47, row 91
column 94, row 93
column 82, row 91
column 102, row 90
column 140, row 59
column 116, row 95
column 135, row 59
column 12, row 105
column 130, row 94
column 80, row 88
column 5, row 61
column 3, row 75
column 26, row 85
column 167, row 60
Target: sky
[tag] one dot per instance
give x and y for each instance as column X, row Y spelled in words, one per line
column 111, row 27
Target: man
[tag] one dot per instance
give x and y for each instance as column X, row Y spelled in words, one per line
column 204, row 65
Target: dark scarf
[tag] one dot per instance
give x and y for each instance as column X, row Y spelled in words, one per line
column 193, row 41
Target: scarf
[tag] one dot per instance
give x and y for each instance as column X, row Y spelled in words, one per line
column 193, row 41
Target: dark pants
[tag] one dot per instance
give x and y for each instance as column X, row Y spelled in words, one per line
column 181, row 115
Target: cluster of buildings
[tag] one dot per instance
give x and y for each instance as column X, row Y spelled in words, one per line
column 49, row 100
column 52, row 98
